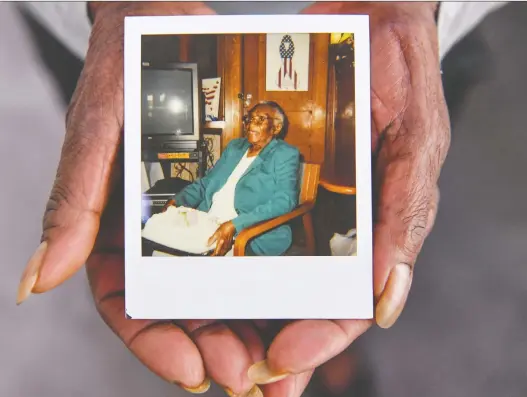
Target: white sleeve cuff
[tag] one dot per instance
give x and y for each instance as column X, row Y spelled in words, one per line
column 67, row 21
column 457, row 19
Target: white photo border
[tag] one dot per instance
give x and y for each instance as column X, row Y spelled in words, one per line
column 247, row 287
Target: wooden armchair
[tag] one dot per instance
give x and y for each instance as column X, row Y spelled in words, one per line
column 309, row 176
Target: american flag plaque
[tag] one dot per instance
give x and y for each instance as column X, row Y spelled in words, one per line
column 287, row 62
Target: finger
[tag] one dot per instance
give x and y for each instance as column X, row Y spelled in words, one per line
column 213, row 238
column 415, row 136
column 93, row 132
column 304, row 345
column 82, row 184
column 248, row 334
column 399, row 280
column 225, row 355
column 219, row 247
column 268, row 329
column 157, row 344
column 339, row 374
column 292, row 386
column 163, row 347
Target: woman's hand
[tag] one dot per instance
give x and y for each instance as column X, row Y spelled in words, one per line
column 410, row 139
column 169, row 203
column 223, row 237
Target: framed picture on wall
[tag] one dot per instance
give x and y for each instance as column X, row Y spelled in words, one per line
column 287, row 62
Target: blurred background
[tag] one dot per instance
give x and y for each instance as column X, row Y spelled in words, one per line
column 463, row 331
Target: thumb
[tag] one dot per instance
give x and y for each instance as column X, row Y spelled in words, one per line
column 402, row 227
column 79, row 195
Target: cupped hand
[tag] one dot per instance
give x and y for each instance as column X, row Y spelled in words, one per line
column 223, row 237
column 83, row 223
column 410, row 139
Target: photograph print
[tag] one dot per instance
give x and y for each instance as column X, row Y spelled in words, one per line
column 247, row 160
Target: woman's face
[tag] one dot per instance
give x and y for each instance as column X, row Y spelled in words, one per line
column 262, row 125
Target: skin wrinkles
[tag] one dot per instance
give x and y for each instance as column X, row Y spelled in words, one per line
column 418, row 211
column 392, row 115
column 111, row 295
column 155, row 324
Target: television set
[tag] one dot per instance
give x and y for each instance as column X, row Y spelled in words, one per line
column 169, row 105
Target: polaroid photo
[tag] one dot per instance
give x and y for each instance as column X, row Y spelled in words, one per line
column 248, row 167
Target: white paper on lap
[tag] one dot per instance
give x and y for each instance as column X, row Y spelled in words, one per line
column 183, row 229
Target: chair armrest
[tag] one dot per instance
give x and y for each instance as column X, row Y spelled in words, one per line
column 243, row 238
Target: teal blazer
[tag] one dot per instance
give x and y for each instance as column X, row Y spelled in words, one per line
column 269, row 188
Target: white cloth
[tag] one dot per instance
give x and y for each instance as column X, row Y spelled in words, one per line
column 183, row 229
column 458, row 18
column 344, row 244
column 223, row 200
column 67, row 20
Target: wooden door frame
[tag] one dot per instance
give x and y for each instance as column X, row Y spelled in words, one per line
column 230, row 48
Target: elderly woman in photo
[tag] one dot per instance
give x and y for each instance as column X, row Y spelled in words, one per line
column 255, row 179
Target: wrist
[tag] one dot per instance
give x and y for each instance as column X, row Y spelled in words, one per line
column 230, row 228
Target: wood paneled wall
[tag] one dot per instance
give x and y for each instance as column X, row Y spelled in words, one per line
column 231, row 70
column 322, row 123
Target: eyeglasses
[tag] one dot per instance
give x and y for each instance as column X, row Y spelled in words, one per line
column 257, row 120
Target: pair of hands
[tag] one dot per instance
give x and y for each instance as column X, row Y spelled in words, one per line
column 223, row 237
column 83, row 222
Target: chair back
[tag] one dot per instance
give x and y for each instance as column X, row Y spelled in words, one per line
column 309, row 178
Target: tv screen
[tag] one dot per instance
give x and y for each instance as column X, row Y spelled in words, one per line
column 167, row 102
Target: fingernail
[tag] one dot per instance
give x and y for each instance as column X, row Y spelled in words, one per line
column 255, row 391
column 30, row 275
column 199, row 389
column 261, row 374
column 394, row 296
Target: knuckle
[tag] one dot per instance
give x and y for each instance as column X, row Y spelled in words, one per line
column 213, row 329
column 415, row 232
column 65, row 208
column 61, row 197
column 415, row 220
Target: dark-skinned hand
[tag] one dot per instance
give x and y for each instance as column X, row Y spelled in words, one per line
column 223, row 237
column 169, row 203
column 84, row 219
